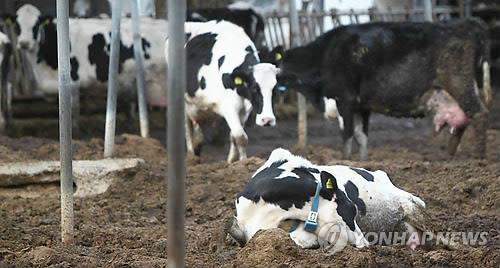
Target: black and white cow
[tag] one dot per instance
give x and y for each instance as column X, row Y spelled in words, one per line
column 398, row 69
column 351, row 201
column 90, row 50
column 248, row 19
column 225, row 78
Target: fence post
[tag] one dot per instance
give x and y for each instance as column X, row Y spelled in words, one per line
column 66, row 175
column 109, row 135
column 428, row 10
column 468, row 8
column 176, row 152
column 301, row 100
column 139, row 71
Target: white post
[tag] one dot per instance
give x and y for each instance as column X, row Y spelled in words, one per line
column 176, row 151
column 65, row 122
column 109, row 135
column 468, row 8
column 139, row 71
column 428, row 10
column 301, row 100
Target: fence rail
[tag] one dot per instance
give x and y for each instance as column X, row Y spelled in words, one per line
column 314, row 23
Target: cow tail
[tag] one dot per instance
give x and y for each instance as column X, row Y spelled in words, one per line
column 487, row 90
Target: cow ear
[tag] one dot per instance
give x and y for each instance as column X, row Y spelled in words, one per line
column 227, row 81
column 234, row 80
column 328, row 181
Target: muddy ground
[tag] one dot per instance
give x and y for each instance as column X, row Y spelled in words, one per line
column 126, row 226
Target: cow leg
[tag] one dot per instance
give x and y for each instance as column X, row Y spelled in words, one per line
column 194, row 137
column 303, row 238
column 75, row 106
column 361, row 122
column 480, row 126
column 348, row 131
column 238, row 139
column 189, row 135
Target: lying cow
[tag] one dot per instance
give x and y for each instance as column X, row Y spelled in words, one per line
column 225, row 78
column 90, row 50
column 354, row 200
column 398, row 69
column 248, row 19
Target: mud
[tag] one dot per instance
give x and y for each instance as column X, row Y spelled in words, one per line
column 126, row 226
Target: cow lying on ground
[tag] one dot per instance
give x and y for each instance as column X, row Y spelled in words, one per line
column 248, row 19
column 397, row 69
column 351, row 201
column 225, row 78
column 90, row 50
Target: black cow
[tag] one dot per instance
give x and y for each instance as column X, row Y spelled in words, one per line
column 398, row 69
column 248, row 19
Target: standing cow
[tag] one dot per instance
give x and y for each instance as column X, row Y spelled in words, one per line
column 248, row 19
column 90, row 50
column 398, row 69
column 351, row 201
column 225, row 78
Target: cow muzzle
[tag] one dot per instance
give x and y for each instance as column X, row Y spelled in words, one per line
column 265, row 121
column 23, row 44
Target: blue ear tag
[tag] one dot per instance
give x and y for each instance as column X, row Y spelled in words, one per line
column 282, row 88
column 312, row 220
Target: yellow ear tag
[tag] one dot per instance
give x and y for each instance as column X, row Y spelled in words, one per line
column 238, row 81
column 8, row 21
column 329, row 184
column 47, row 21
column 278, row 56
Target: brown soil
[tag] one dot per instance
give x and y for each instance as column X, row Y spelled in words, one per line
column 126, row 226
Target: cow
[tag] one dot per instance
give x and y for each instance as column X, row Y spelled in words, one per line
column 401, row 70
column 352, row 201
column 248, row 19
column 225, row 78
column 90, row 50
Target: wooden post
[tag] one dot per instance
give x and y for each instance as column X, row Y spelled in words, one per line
column 139, row 71
column 65, row 125
column 176, row 151
column 109, row 134
column 301, row 100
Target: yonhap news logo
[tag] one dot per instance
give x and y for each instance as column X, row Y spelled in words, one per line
column 334, row 237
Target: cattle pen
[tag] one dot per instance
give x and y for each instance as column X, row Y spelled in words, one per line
column 76, row 197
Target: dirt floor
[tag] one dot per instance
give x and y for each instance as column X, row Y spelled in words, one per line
column 126, row 226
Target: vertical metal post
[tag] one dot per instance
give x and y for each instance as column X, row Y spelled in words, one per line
column 109, row 134
column 139, row 71
column 65, row 122
column 428, row 10
column 468, row 8
column 301, row 100
column 176, row 166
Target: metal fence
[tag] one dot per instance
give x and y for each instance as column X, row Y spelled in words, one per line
column 314, row 23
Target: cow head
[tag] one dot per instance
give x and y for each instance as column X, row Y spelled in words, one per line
column 299, row 72
column 29, row 19
column 256, row 84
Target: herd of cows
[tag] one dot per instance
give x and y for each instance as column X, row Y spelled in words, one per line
column 397, row 69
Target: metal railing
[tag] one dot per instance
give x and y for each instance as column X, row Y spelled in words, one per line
column 314, row 23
